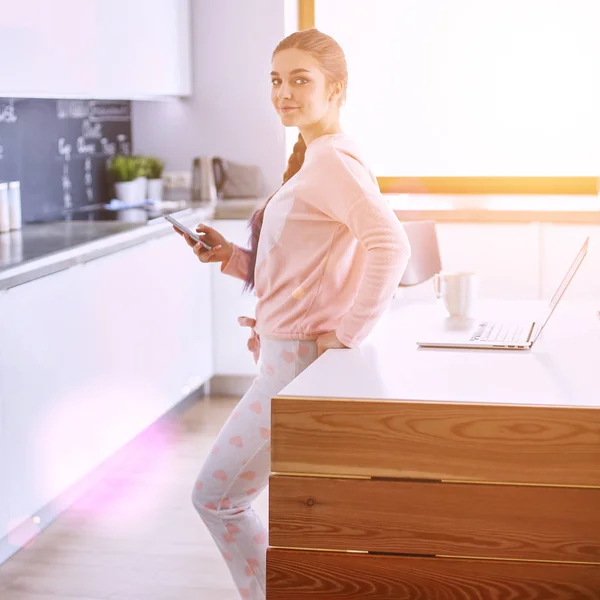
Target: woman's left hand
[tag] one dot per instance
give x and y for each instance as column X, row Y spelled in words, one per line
column 328, row 341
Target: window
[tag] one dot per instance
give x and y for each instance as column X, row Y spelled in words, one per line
column 487, row 94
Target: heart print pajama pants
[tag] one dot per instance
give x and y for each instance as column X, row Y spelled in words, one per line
column 238, row 466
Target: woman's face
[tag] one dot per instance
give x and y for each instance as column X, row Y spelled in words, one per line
column 300, row 92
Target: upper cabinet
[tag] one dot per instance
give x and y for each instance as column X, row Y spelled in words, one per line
column 104, row 49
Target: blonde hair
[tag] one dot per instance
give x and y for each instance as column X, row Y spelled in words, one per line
column 332, row 62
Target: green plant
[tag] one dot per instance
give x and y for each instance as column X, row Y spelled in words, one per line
column 128, row 168
column 123, row 168
column 155, row 167
column 142, row 167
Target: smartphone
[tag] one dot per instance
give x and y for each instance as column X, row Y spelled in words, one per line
column 184, row 229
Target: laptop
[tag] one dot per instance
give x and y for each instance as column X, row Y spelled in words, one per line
column 489, row 335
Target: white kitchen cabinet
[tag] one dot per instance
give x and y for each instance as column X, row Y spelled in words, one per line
column 505, row 256
column 3, row 446
column 93, row 355
column 560, row 244
column 44, row 372
column 154, row 300
column 231, row 354
column 111, row 49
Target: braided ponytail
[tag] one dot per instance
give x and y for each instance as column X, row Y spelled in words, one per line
column 295, row 161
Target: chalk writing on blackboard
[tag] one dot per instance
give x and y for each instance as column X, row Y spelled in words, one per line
column 109, row 111
column 123, row 142
column 58, row 149
column 64, row 149
column 72, row 109
column 91, row 131
column 7, row 112
column 84, row 148
column 109, row 148
column 88, row 180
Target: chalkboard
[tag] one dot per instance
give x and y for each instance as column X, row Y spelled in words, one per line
column 58, row 150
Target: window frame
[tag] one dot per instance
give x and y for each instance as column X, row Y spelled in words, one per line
column 566, row 185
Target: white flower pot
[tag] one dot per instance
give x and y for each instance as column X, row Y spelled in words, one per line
column 142, row 183
column 127, row 191
column 155, row 190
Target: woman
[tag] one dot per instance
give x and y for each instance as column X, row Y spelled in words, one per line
column 327, row 253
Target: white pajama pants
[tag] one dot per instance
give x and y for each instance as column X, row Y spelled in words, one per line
column 238, row 466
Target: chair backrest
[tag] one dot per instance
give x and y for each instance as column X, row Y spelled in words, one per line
column 425, row 260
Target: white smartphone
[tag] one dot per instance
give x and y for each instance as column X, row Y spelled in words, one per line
column 184, row 229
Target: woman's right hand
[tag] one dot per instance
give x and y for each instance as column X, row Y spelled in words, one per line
column 221, row 248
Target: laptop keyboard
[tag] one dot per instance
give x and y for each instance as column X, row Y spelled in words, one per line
column 497, row 332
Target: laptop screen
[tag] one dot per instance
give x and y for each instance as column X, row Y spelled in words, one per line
column 564, row 284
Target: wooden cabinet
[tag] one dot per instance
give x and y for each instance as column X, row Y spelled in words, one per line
column 231, row 354
column 90, row 357
column 95, row 49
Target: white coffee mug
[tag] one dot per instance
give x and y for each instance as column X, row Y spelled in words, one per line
column 458, row 290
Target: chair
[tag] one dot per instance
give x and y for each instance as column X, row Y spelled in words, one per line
column 425, row 260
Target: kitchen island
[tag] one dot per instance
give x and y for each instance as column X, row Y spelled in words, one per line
column 402, row 473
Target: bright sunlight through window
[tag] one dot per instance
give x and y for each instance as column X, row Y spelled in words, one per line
column 471, row 87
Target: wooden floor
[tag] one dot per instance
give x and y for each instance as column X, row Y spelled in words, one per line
column 135, row 536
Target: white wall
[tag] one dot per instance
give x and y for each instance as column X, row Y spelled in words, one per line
column 229, row 113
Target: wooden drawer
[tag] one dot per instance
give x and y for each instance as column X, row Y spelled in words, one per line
column 311, row 575
column 451, row 442
column 484, row 521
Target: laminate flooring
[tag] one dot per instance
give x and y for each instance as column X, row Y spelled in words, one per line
column 135, row 535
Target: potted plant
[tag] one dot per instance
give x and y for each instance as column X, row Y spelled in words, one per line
column 142, row 176
column 155, row 168
column 124, row 172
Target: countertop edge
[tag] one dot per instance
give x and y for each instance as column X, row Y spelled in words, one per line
column 404, row 210
column 88, row 251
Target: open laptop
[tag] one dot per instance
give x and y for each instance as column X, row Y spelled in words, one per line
column 490, row 335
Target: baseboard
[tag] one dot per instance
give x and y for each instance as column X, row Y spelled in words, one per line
column 230, row 385
column 23, row 534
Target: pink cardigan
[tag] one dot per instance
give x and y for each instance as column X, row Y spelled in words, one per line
column 331, row 251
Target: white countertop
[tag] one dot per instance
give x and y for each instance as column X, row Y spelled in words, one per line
column 560, row 370
column 116, row 236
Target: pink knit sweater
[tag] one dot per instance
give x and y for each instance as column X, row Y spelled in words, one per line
column 331, row 250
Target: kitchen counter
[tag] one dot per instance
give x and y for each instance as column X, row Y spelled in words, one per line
column 40, row 249
column 559, row 370
column 44, row 248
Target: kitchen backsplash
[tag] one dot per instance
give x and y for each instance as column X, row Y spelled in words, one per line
column 58, row 150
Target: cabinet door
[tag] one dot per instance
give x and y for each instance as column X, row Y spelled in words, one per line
column 505, row 257
column 48, row 402
column 3, row 446
column 95, row 49
column 153, row 335
column 93, row 355
column 231, row 354
column 560, row 244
